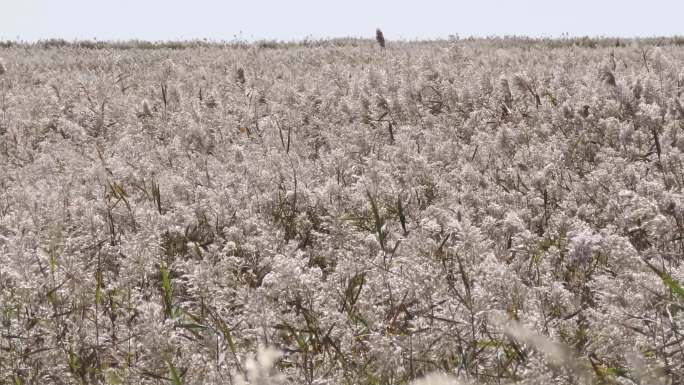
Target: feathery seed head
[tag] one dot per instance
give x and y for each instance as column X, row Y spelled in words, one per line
column 260, row 369
column 637, row 89
column 240, row 76
column 608, row 77
column 568, row 112
column 506, row 92
column 437, row 379
column 521, row 83
column 146, row 108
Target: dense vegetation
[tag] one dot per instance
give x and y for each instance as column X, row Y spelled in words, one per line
column 502, row 210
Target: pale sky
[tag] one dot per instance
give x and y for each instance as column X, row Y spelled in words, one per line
column 30, row 20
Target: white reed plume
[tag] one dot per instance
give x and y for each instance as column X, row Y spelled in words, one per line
column 146, row 109
column 260, row 370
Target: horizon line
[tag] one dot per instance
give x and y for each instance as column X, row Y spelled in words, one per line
column 309, row 39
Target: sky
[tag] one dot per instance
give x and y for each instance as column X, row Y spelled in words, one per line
column 249, row 20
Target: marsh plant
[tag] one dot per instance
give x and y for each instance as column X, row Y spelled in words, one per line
column 488, row 211
column 146, row 109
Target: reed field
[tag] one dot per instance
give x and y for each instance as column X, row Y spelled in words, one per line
column 349, row 211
